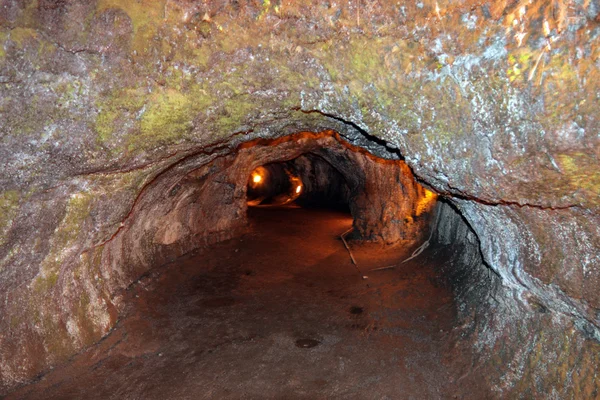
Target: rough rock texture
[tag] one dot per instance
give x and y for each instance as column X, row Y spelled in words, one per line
column 199, row 202
column 492, row 104
column 388, row 205
column 532, row 348
column 323, row 185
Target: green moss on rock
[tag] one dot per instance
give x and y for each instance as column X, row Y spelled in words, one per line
column 9, row 203
column 168, row 117
column 3, row 38
column 162, row 117
column 234, row 112
column 145, row 15
column 77, row 211
column 45, row 283
column 581, row 170
column 116, row 108
column 20, row 36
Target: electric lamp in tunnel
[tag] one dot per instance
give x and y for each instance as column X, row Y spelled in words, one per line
column 259, row 177
column 298, row 189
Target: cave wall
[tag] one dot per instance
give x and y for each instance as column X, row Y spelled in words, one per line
column 202, row 200
column 392, row 206
column 388, row 205
column 323, row 185
column 515, row 346
column 493, row 104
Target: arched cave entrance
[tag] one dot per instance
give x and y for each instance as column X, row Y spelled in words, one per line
column 289, row 282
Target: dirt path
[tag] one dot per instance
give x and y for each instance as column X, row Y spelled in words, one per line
column 280, row 313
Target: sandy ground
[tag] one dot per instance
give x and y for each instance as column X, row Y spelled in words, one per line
column 279, row 313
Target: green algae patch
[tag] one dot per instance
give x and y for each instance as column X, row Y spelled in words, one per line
column 145, row 16
column 363, row 65
column 562, row 92
column 235, row 38
column 108, row 184
column 168, row 118
column 119, row 107
column 20, row 36
column 449, row 114
column 521, row 64
column 45, row 283
column 582, row 173
column 365, row 58
column 234, row 113
column 3, row 38
column 77, row 210
column 362, row 61
column 154, row 119
column 28, row 39
column 9, row 204
column 188, row 53
column 29, row 16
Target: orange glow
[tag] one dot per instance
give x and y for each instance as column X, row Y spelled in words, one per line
column 298, row 189
column 425, row 203
column 546, row 28
column 258, row 177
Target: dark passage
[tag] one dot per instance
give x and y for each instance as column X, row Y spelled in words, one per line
column 279, row 313
column 309, row 181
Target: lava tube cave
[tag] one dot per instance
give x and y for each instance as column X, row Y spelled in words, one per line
column 299, row 200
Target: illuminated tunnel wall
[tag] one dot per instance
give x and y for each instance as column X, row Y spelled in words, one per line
column 274, row 184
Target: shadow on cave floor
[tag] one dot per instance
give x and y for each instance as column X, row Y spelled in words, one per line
column 279, row 313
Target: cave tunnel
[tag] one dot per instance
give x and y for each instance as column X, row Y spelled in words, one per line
column 299, row 200
column 297, row 264
column 274, row 184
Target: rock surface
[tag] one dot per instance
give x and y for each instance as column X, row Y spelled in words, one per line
column 239, row 320
column 491, row 104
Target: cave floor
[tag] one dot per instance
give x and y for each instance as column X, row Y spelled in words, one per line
column 279, row 313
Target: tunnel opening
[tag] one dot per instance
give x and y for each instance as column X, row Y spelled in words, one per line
column 274, row 184
column 284, row 281
column 324, row 186
column 322, row 170
column 306, row 181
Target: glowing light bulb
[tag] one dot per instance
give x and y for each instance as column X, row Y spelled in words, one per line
column 257, row 178
column 298, row 189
